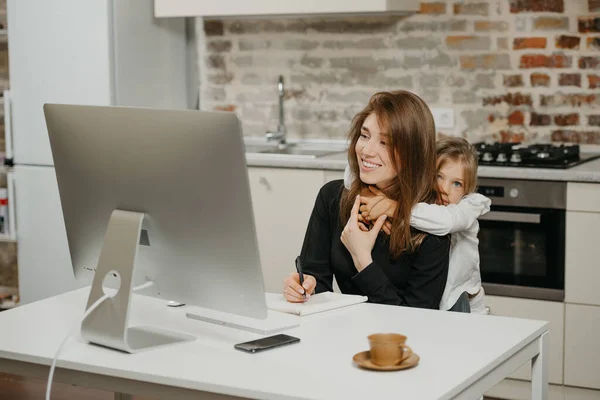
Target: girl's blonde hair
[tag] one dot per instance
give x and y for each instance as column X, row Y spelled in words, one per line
column 459, row 150
column 411, row 129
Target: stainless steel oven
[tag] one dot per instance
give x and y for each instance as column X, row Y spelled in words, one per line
column 522, row 238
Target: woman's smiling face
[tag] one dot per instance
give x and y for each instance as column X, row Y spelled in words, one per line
column 376, row 167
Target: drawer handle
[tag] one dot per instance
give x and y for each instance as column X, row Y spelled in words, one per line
column 263, row 181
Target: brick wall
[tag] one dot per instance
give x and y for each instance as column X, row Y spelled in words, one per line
column 511, row 69
column 8, row 251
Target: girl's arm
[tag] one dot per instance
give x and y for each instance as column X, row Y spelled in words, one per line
column 442, row 220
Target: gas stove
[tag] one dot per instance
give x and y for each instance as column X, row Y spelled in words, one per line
column 532, row 155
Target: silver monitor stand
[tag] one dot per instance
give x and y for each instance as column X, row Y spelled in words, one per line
column 108, row 323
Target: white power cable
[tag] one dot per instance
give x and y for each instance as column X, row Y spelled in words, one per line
column 73, row 331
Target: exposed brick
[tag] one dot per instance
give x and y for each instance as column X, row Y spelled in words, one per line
column 593, row 43
column 383, row 24
column 502, row 43
column 472, row 8
column 588, row 24
column 312, row 62
column 219, row 46
column 243, row 61
column 351, row 97
column 299, row 44
column 474, row 117
column 489, row 26
column 485, row 81
column 216, row 61
column 594, row 81
column 517, row 6
column 516, row 118
column 594, row 120
column 589, row 62
column 485, row 61
column 540, row 119
column 514, row 99
column 365, row 63
column 430, row 96
column 529, row 43
column 573, row 100
column 254, row 44
column 511, row 137
column 544, row 61
column 409, row 25
column 438, row 59
column 593, row 5
column 213, row 28
column 368, row 43
column 576, row 136
column 253, row 79
column 464, row 97
column 566, row 119
column 433, row 8
column 567, row 42
column 550, row 23
column 569, row 80
column 431, row 81
column 418, row 43
column 513, row 80
column 215, row 94
column 220, row 78
column 455, row 81
column 468, row 42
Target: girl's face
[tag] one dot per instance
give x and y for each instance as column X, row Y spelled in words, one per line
column 451, row 182
column 374, row 161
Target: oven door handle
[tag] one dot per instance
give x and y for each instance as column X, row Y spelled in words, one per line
column 504, row 216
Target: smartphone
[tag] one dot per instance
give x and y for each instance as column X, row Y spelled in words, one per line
column 266, row 343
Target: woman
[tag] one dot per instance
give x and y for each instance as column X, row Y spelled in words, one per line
column 393, row 147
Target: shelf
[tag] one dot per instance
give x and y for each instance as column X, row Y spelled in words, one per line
column 7, row 238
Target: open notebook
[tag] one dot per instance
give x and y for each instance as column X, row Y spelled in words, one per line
column 316, row 303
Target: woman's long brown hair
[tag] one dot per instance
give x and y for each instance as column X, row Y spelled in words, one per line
column 411, row 129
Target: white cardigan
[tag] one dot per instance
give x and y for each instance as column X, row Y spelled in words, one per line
column 461, row 221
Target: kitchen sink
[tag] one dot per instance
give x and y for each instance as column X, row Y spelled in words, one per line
column 303, row 150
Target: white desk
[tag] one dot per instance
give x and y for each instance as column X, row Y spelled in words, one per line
column 462, row 355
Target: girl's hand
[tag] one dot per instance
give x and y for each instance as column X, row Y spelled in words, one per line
column 375, row 205
column 358, row 242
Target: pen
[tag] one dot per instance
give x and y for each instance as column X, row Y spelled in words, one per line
column 301, row 275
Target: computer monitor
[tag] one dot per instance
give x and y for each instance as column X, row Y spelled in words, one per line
column 179, row 183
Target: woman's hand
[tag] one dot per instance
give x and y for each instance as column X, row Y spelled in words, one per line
column 376, row 204
column 358, row 242
column 293, row 291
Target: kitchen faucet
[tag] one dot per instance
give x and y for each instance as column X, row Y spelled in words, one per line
column 280, row 134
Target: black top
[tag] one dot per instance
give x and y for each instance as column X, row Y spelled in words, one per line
column 415, row 279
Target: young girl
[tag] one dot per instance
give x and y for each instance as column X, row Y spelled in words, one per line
column 456, row 181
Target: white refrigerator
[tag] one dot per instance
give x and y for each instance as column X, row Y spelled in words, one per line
column 95, row 52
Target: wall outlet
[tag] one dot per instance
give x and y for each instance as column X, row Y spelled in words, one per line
column 443, row 117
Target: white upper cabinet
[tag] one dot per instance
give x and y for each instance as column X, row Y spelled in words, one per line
column 261, row 8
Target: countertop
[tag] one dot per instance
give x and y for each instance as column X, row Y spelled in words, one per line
column 586, row 172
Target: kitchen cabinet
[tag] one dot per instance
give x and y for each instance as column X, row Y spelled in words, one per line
column 582, row 272
column 511, row 389
column 550, row 311
column 282, row 201
column 265, row 8
column 333, row 175
column 583, row 197
column 582, row 364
